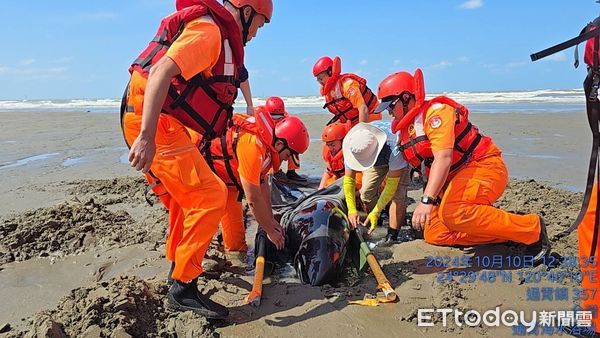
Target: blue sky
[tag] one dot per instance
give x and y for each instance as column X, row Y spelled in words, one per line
column 82, row 49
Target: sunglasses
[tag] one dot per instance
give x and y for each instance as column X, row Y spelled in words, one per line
column 404, row 97
column 392, row 105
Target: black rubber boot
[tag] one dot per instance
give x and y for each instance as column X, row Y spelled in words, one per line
column 169, row 275
column 392, row 235
column 279, row 175
column 390, row 238
column 543, row 246
column 292, row 175
column 186, row 297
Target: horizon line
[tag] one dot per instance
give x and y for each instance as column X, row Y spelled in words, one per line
column 310, row 95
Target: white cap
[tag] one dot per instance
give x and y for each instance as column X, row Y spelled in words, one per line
column 362, row 145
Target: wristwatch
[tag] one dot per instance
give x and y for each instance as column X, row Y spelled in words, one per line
column 430, row 200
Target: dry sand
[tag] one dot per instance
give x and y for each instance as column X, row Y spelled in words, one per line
column 81, row 254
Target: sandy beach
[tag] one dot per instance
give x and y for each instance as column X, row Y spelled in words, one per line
column 81, row 251
column 40, row 150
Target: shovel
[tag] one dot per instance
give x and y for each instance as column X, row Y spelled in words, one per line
column 382, row 282
column 254, row 297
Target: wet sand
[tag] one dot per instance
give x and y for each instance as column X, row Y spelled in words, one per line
column 71, row 231
column 59, row 147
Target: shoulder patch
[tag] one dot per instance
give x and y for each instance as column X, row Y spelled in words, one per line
column 435, row 122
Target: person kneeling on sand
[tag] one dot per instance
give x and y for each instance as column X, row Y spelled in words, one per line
column 369, row 150
column 202, row 43
column 332, row 137
column 276, row 108
column 242, row 158
column 465, row 170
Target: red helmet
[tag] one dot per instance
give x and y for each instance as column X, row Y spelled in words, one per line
column 294, row 132
column 335, row 131
column 322, row 65
column 263, row 7
column 398, row 83
column 275, row 105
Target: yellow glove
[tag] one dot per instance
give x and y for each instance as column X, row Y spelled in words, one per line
column 350, row 192
column 391, row 185
column 372, row 219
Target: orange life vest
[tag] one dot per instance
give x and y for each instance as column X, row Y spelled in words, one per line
column 221, row 153
column 469, row 144
column 341, row 106
column 335, row 163
column 204, row 104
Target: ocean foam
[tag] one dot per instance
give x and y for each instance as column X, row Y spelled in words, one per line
column 543, row 100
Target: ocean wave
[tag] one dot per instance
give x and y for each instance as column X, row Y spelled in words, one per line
column 97, row 105
column 499, row 101
column 545, row 96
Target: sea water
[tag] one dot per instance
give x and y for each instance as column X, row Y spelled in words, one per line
column 533, row 101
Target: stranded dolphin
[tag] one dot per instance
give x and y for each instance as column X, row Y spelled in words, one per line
column 317, row 235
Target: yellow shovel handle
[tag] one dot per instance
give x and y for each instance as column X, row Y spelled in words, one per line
column 382, row 281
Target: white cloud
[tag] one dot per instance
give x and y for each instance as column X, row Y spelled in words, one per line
column 56, row 70
column 305, row 60
column 463, row 59
column 63, row 60
column 397, row 62
column 518, row 64
column 439, row 65
column 33, row 73
column 26, row 62
column 558, row 57
column 364, row 62
column 471, row 4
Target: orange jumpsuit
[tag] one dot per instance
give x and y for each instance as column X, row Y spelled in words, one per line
column 339, row 164
column 590, row 270
column 466, row 215
column 252, row 161
column 194, row 196
column 332, row 179
column 253, row 165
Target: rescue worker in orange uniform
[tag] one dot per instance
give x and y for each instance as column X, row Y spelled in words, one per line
column 347, row 96
column 332, row 137
column 466, row 173
column 242, row 158
column 187, row 79
column 276, row 108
